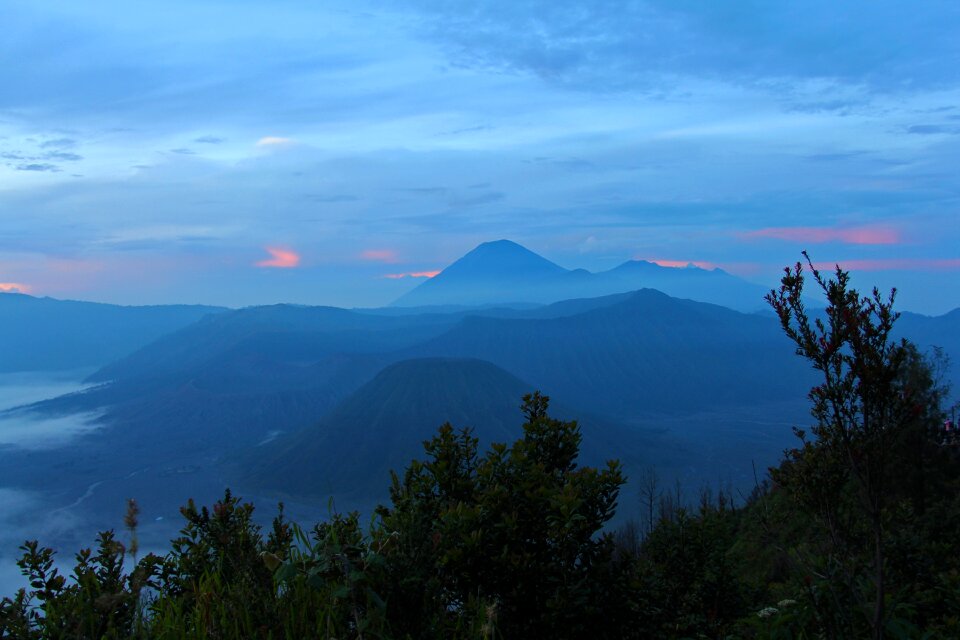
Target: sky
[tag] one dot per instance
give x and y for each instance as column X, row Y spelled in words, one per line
column 237, row 152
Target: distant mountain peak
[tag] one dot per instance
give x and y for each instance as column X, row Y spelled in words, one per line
column 502, row 243
column 500, row 255
column 485, row 274
column 654, row 266
column 504, row 272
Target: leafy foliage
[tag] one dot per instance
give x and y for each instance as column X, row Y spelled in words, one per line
column 503, row 545
column 516, row 528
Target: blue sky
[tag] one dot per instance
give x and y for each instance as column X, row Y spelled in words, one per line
column 252, row 152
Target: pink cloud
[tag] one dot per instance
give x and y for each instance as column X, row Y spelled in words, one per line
column 678, row 264
column 14, row 287
column 412, row 274
column 380, row 255
column 848, row 235
column 887, row 264
column 282, row 259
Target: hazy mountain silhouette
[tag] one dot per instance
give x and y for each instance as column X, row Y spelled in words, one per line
column 231, row 381
column 44, row 334
column 715, row 286
column 350, row 452
column 279, row 333
column 505, row 272
column 494, row 272
column 645, row 353
column 243, row 374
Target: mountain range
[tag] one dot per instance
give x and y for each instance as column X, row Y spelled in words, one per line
column 504, row 272
column 44, row 334
column 380, row 427
column 303, row 402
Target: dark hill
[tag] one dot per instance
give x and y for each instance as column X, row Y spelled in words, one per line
column 646, row 353
column 380, row 427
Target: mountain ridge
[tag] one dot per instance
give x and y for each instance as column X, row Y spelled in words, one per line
column 504, row 272
column 378, row 428
column 47, row 334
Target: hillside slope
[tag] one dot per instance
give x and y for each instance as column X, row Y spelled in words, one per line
column 44, row 334
column 380, row 427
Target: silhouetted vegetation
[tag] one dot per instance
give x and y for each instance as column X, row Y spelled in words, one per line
column 853, row 535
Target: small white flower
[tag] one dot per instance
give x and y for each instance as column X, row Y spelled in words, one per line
column 766, row 612
column 786, row 603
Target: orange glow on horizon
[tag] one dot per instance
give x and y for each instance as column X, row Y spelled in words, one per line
column 14, row 287
column 282, row 259
column 413, row 274
column 848, row 235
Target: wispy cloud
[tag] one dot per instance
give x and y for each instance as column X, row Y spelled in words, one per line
column 412, row 274
column 932, row 129
column 14, row 287
column 274, row 141
column 678, row 264
column 64, row 156
column 163, row 235
column 38, row 166
column 380, row 255
column 889, row 264
column 818, row 235
column 281, row 259
column 58, row 143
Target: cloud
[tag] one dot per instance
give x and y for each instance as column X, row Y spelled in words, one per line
column 931, row 129
column 184, row 151
column 38, row 166
column 64, row 156
column 14, row 287
column 817, row 235
column 332, row 199
column 589, row 244
column 59, row 143
column 572, row 163
column 615, row 45
column 24, row 430
column 274, row 141
column 889, row 264
column 208, row 140
column 476, row 200
column 424, row 191
column 834, row 157
column 412, row 274
column 476, row 129
column 380, row 255
column 162, row 236
column 282, row 259
column 680, row 264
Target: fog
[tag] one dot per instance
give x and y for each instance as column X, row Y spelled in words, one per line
column 28, row 514
column 29, row 431
column 17, row 389
column 15, row 505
